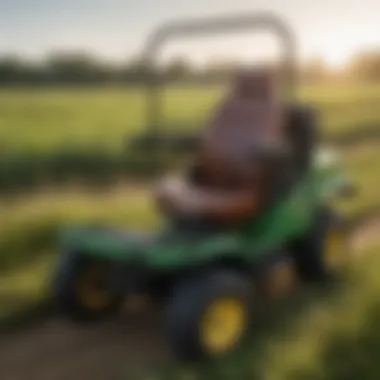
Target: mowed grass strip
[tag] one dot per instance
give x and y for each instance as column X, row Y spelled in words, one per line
column 47, row 119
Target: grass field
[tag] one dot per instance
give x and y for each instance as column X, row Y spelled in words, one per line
column 46, row 119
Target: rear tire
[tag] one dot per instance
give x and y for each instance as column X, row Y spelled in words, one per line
column 224, row 295
column 71, row 285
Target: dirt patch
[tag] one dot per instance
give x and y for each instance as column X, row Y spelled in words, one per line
column 57, row 350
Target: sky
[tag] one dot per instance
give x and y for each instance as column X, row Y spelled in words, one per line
column 117, row 29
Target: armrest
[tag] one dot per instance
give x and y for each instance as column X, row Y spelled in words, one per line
column 176, row 196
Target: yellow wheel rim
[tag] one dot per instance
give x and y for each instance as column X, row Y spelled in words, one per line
column 222, row 325
column 91, row 289
column 334, row 248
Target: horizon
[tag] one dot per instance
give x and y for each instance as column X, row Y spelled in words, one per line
column 115, row 30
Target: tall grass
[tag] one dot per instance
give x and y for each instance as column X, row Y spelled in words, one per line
column 329, row 333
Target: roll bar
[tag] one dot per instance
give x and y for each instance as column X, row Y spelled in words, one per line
column 205, row 27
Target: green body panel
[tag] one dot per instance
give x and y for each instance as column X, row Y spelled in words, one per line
column 285, row 219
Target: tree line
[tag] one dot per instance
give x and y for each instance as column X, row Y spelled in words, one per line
column 82, row 68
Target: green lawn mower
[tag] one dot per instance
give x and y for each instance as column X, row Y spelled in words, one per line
column 209, row 280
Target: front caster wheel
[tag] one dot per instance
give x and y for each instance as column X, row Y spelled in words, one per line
column 81, row 289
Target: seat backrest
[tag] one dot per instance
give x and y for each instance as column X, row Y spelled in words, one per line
column 250, row 115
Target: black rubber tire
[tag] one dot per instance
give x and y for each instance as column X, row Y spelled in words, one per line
column 309, row 249
column 188, row 301
column 70, row 268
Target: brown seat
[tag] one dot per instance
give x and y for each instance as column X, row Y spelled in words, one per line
column 249, row 112
column 248, row 119
column 230, row 177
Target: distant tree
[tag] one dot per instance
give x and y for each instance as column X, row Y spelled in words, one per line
column 11, row 69
column 137, row 70
column 314, row 70
column 366, row 65
column 221, row 67
column 134, row 71
column 76, row 67
column 177, row 69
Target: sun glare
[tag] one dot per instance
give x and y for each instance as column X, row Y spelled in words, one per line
column 336, row 59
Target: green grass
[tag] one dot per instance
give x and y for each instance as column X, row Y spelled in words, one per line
column 30, row 225
column 45, row 119
column 25, row 288
column 362, row 166
column 122, row 204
